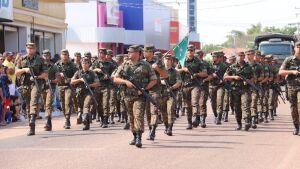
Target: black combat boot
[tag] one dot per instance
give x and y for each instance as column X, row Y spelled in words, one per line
column 247, row 124
column 169, row 131
column 266, row 114
column 219, row 119
column 225, row 116
column 112, row 118
column 67, row 122
column 239, row 125
column 132, row 142
column 166, row 127
column 86, row 122
column 261, row 119
column 79, row 118
column 274, row 112
column 271, row 115
column 253, row 122
column 189, row 127
column 296, row 130
column 203, row 124
column 256, row 119
column 105, row 122
column 127, row 126
column 152, row 133
column 31, row 125
column 138, row 142
column 196, row 122
column 183, row 111
column 48, row 125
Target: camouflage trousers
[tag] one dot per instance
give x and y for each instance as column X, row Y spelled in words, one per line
column 84, row 103
column 271, row 100
column 102, row 96
column 217, row 99
column 294, row 99
column 31, row 97
column 152, row 111
column 255, row 98
column 241, row 101
column 136, row 110
column 113, row 100
column 265, row 99
column 66, row 96
column 48, row 98
column 168, row 108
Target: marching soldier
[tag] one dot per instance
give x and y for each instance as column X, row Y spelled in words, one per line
column 151, row 110
column 142, row 73
column 257, row 71
column 194, row 72
column 170, row 86
column 77, row 61
column 216, row 89
column 48, row 94
column 240, row 90
column 290, row 68
column 85, row 80
column 67, row 69
column 31, row 68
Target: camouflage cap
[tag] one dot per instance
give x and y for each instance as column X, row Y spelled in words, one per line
column 46, row 52
column 191, row 47
column 233, row 57
column 85, row 60
column 250, row 52
column 134, row 48
column 30, row 45
column 102, row 50
column 87, row 54
column 110, row 52
column 64, row 52
column 269, row 57
column 297, row 43
column 150, row 48
column 158, row 54
column 215, row 54
column 77, row 54
column 221, row 53
column 199, row 52
column 119, row 57
column 241, row 53
column 257, row 53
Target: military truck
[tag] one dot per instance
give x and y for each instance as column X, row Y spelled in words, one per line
column 277, row 44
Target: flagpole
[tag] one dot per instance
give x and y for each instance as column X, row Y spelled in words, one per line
column 165, row 54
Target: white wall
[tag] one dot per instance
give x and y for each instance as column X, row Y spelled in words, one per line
column 82, row 48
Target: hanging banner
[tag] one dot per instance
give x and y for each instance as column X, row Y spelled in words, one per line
column 112, row 13
column 6, row 10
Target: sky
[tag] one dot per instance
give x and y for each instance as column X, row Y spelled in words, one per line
column 216, row 18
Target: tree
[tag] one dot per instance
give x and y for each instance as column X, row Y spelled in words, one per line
column 211, row 47
column 255, row 29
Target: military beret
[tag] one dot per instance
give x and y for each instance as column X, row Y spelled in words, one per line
column 77, row 54
column 269, row 57
column 168, row 56
column 158, row 54
column 250, row 52
column 64, row 51
column 102, row 50
column 87, row 54
column 30, row 45
column 46, row 52
column 191, row 47
column 150, row 48
column 241, row 54
column 297, row 43
column 109, row 52
column 134, row 48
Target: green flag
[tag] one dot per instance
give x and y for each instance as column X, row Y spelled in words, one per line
column 180, row 50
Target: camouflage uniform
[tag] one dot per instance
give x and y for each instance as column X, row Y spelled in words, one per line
column 135, row 103
column 241, row 92
column 65, row 88
column 29, row 91
column 84, row 96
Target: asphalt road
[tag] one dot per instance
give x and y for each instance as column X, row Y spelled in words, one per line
column 271, row 146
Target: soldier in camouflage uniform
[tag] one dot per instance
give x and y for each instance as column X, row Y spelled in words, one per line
column 30, row 92
column 228, row 95
column 193, row 69
column 83, row 94
column 152, row 111
column 142, row 72
column 103, row 92
column 290, row 68
column 257, row 71
column 48, row 94
column 226, row 86
column 67, row 69
column 240, row 90
column 278, row 81
column 216, row 88
column 170, row 84
column 77, row 61
column 271, row 104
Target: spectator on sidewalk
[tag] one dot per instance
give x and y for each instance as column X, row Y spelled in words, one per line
column 5, row 97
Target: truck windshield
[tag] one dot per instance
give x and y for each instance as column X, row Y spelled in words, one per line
column 276, row 49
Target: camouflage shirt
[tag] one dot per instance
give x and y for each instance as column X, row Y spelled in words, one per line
column 257, row 69
column 52, row 71
column 90, row 78
column 37, row 65
column 220, row 70
column 196, row 66
column 291, row 63
column 161, row 65
column 68, row 69
column 109, row 67
column 237, row 70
